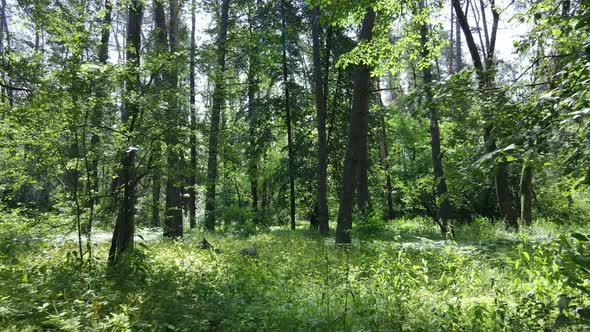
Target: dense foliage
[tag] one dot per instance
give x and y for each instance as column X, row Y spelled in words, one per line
column 404, row 277
column 443, row 145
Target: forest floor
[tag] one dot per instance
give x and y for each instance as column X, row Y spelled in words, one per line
column 398, row 276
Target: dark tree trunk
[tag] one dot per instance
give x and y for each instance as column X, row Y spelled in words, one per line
column 4, row 47
column 252, row 106
column 486, row 79
column 192, row 204
column 320, row 100
column 358, row 116
column 443, row 213
column 125, row 225
column 526, row 193
column 173, row 212
column 161, row 46
column 218, row 101
column 253, row 162
column 565, row 8
column 290, row 171
column 156, row 186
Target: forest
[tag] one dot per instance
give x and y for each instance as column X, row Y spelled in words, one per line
column 294, row 165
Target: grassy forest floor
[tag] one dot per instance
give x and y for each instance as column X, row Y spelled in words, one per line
column 402, row 276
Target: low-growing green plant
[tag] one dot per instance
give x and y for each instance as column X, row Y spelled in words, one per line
column 402, row 276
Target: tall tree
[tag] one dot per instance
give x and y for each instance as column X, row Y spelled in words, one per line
column 192, row 204
column 320, row 101
column 125, row 224
column 358, row 128
column 384, row 155
column 443, row 214
column 173, row 214
column 253, row 89
column 161, row 49
column 98, row 113
column 218, row 101
column 287, row 101
column 486, row 76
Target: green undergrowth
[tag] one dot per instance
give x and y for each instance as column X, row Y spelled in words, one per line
column 402, row 276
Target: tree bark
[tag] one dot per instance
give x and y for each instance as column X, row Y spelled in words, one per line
column 322, row 193
column 358, row 116
column 384, row 155
column 192, row 204
column 173, row 212
column 526, row 193
column 486, row 79
column 125, row 225
column 458, row 47
column 218, row 101
column 161, row 47
column 443, row 215
column 252, row 106
column 290, row 170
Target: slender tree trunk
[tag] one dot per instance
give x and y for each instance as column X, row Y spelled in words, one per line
column 451, row 42
column 322, row 194
column 290, row 171
column 161, row 45
column 218, row 101
column 192, row 204
column 458, row 47
column 98, row 114
column 4, row 48
column 486, row 78
column 526, row 193
column 156, row 186
column 253, row 153
column 443, row 215
column 252, row 106
column 358, row 116
column 384, row 155
column 125, row 225
column 2, row 25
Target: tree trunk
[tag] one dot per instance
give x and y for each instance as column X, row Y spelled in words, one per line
column 290, row 171
column 384, row 155
column 252, row 106
column 443, row 215
column 125, row 225
column 358, row 116
column 192, row 204
column 173, row 213
column 156, row 185
column 458, row 47
column 161, row 46
column 218, row 101
column 526, row 193
column 322, row 194
column 486, row 78
column 96, row 119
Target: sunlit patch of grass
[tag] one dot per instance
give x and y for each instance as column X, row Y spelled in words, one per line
column 404, row 276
